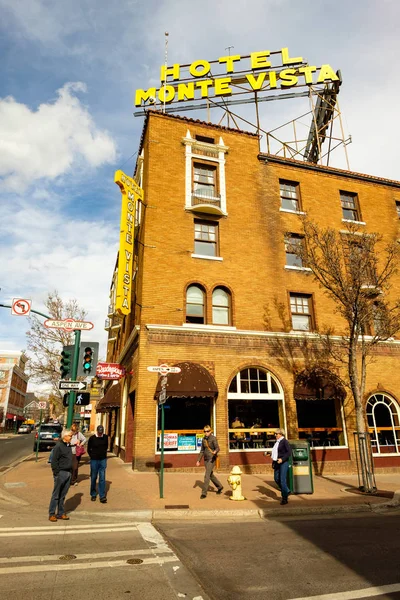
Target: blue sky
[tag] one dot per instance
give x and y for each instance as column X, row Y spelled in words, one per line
column 69, row 71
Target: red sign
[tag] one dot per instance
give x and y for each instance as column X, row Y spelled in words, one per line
column 109, row 371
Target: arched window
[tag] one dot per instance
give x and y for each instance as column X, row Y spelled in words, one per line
column 255, row 409
column 383, row 417
column 195, row 304
column 221, row 307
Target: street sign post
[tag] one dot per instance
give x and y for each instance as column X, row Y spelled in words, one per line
column 72, row 385
column 163, row 370
column 21, row 307
column 68, row 324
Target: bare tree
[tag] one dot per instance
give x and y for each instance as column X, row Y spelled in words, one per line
column 355, row 269
column 45, row 345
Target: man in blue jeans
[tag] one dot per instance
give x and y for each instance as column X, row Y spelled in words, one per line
column 97, row 450
column 281, row 452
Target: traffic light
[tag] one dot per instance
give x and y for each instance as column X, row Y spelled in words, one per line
column 66, row 361
column 88, row 357
column 65, row 400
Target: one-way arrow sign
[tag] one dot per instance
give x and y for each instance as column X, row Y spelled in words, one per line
column 72, row 385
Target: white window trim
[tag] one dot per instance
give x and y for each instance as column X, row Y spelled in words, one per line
column 205, row 257
column 294, row 268
column 355, row 222
column 189, row 142
column 206, row 326
column 293, row 212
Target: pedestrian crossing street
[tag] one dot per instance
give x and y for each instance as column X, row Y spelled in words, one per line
column 156, row 551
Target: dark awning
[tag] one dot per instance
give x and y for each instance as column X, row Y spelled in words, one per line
column 318, row 384
column 194, row 381
column 111, row 399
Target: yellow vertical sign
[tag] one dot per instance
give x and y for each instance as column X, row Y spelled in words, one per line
column 131, row 193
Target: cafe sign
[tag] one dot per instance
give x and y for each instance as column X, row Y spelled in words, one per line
column 260, row 71
column 109, row 371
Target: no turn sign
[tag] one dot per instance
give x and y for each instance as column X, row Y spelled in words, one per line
column 21, row 307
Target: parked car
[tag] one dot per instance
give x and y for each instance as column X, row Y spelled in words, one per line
column 24, row 429
column 50, row 433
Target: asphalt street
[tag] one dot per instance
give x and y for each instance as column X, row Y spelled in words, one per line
column 95, row 560
column 292, row 558
column 15, row 447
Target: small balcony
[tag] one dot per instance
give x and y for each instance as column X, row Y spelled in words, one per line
column 107, row 324
column 110, row 311
column 206, row 201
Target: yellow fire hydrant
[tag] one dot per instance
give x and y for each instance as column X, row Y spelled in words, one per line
column 235, row 481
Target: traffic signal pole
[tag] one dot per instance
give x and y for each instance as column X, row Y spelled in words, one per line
column 74, row 373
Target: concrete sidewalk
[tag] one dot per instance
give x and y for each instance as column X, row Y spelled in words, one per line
column 30, row 484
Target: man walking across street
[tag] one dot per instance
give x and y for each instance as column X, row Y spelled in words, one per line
column 209, row 450
column 61, row 464
column 97, row 450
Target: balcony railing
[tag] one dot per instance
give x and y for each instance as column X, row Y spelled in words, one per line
column 205, row 197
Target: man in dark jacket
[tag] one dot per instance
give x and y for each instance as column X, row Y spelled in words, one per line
column 61, row 464
column 281, row 452
column 209, row 449
column 97, row 450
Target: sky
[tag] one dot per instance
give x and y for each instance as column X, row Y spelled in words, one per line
column 68, row 74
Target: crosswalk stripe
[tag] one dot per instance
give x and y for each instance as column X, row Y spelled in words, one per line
column 63, row 524
column 96, row 555
column 354, row 594
column 73, row 566
column 66, row 531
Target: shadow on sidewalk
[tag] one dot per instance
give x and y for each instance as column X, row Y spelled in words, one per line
column 73, row 502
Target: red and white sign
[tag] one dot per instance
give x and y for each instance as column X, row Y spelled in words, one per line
column 42, row 405
column 68, row 324
column 110, row 371
column 21, row 307
column 164, row 369
column 170, row 441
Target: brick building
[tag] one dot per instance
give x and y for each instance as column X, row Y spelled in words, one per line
column 13, row 384
column 217, row 292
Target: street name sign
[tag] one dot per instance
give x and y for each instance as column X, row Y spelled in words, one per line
column 164, row 369
column 72, row 385
column 162, row 396
column 68, row 324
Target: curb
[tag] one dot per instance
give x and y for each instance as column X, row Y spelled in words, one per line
column 10, row 499
column 16, row 463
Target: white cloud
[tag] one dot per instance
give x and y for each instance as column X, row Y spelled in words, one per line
column 50, row 141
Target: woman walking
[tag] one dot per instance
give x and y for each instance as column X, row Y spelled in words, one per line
column 78, row 441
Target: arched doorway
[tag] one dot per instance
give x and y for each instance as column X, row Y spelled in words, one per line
column 383, row 416
column 255, row 409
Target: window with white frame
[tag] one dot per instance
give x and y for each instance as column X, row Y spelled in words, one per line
column 221, row 306
column 255, row 409
column 383, row 416
column 205, row 238
column 290, row 195
column 195, row 305
column 301, row 309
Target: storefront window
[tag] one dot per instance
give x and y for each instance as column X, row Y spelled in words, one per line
column 184, row 419
column 384, row 424
column 255, row 410
column 320, row 422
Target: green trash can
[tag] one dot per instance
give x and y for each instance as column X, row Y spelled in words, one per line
column 300, row 468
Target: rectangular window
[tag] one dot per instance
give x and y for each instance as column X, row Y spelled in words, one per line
column 292, row 245
column 204, row 139
column 301, row 311
column 349, row 204
column 398, row 208
column 290, row 197
column 204, row 180
column 205, row 238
